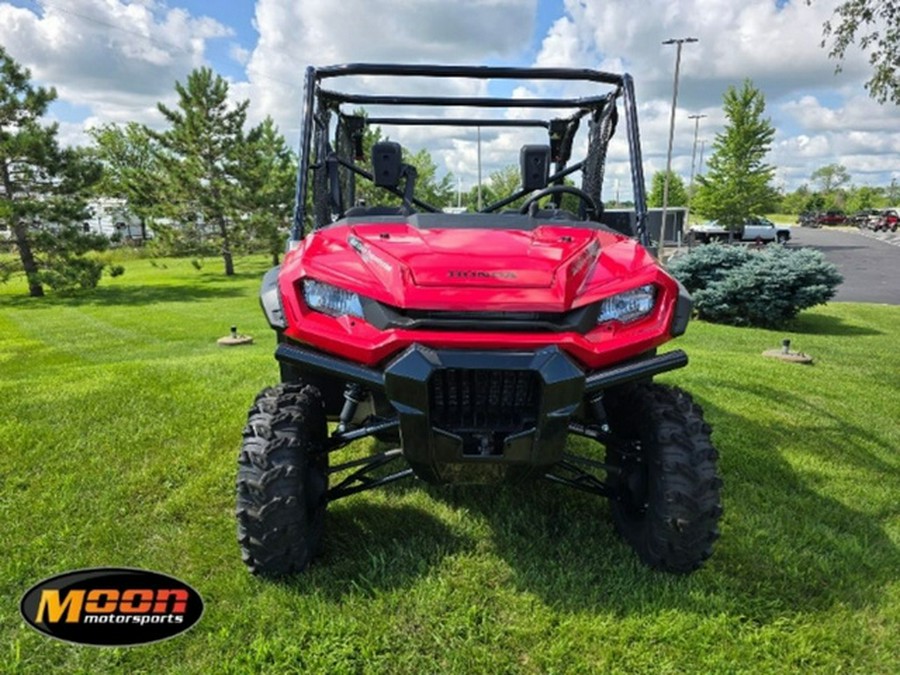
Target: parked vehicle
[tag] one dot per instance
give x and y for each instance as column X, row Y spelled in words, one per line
column 476, row 342
column 755, row 229
column 863, row 217
column 807, row 219
column 831, row 218
column 889, row 219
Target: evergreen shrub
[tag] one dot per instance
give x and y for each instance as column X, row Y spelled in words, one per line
column 743, row 287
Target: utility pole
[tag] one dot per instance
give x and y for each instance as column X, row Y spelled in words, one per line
column 702, row 148
column 479, row 168
column 696, row 119
column 662, row 230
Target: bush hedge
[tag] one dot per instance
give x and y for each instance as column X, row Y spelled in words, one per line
column 743, row 287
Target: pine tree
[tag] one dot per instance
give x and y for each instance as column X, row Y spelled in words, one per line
column 42, row 188
column 269, row 183
column 202, row 156
column 737, row 183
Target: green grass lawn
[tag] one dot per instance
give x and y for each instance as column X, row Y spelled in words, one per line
column 782, row 218
column 118, row 444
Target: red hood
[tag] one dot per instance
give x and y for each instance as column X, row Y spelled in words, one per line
column 469, row 257
column 550, row 268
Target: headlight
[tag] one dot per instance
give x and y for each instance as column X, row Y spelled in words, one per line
column 331, row 300
column 628, row 306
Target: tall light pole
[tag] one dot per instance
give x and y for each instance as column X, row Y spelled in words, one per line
column 665, row 213
column 479, row 168
column 702, row 148
column 696, row 119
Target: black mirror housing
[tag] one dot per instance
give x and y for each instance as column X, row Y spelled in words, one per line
column 534, row 161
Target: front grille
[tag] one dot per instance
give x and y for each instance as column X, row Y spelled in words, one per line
column 581, row 320
column 489, row 321
column 479, row 404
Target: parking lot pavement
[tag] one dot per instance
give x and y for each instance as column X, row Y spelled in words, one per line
column 892, row 238
column 869, row 261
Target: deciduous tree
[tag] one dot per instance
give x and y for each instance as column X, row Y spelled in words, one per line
column 875, row 26
column 131, row 168
column 865, row 197
column 737, row 183
column 677, row 192
column 830, row 177
column 429, row 188
column 500, row 184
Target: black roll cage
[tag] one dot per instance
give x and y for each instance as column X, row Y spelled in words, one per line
column 318, row 100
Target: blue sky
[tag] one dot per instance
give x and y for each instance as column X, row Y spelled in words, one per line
column 113, row 60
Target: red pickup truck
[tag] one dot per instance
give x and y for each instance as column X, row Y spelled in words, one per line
column 831, row 218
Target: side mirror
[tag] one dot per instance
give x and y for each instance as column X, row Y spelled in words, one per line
column 386, row 164
column 535, row 166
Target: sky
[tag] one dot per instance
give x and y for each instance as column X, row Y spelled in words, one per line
column 114, row 60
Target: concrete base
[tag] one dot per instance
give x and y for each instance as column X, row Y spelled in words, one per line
column 790, row 357
column 234, row 340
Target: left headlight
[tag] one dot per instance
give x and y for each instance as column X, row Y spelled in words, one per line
column 331, row 300
column 628, row 306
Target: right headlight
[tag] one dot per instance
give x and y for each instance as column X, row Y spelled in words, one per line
column 628, row 306
column 331, row 300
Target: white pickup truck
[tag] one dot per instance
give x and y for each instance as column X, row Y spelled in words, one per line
column 754, row 229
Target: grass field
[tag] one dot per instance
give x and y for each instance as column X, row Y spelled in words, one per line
column 118, row 444
column 782, row 218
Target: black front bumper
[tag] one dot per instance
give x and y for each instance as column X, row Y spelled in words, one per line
column 478, row 416
column 468, row 416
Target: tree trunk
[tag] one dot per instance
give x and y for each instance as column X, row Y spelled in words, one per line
column 143, row 231
column 229, row 263
column 226, row 248
column 29, row 264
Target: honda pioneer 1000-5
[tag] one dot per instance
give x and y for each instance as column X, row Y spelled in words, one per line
column 476, row 342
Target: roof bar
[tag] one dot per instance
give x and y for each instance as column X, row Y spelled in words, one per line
column 476, row 72
column 464, row 101
column 451, row 122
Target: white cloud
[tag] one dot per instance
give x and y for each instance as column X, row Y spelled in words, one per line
column 115, row 58
column 861, row 135
column 562, row 47
column 778, row 48
column 323, row 32
column 858, row 112
column 70, row 133
column 239, row 54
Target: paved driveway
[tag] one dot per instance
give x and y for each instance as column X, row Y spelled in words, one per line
column 869, row 261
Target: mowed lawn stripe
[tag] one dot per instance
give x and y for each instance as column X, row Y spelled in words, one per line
column 118, row 443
